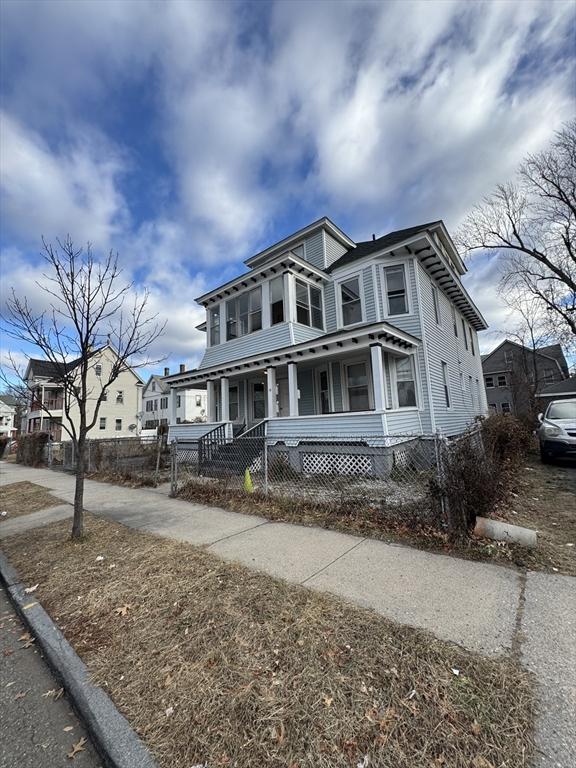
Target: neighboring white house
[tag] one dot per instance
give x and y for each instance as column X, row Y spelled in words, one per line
column 190, row 403
column 7, row 415
column 325, row 337
column 120, row 413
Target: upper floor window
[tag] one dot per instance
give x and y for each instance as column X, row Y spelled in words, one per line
column 153, row 386
column 351, row 301
column 464, row 336
column 548, row 375
column 277, row 300
column 308, row 305
column 472, row 341
column 405, row 382
column 98, row 370
column 501, row 379
column 396, row 298
column 489, row 382
column 198, row 401
column 102, row 422
column 454, row 322
column 244, row 314
column 436, row 304
column 118, row 425
column 446, row 384
column 120, row 397
column 163, row 403
column 214, row 325
column 178, row 401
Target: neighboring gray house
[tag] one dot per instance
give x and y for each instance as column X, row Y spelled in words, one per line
column 561, row 390
column 190, row 403
column 325, row 337
column 514, row 373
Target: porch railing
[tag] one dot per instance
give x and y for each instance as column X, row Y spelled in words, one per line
column 210, row 443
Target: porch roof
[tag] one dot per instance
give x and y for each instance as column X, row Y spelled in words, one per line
column 329, row 344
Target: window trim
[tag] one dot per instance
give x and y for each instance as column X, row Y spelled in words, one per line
column 454, row 320
column 394, row 384
column 214, row 326
column 284, row 302
column 446, row 385
column 384, row 288
column 304, row 281
column 338, row 299
column 236, row 298
column 436, row 304
column 501, row 376
column 464, row 334
column 344, row 380
column 489, row 386
column 118, row 425
column 102, row 423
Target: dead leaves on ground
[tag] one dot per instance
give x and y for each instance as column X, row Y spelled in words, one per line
column 122, row 610
column 78, row 747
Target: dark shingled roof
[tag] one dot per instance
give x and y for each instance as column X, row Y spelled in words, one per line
column 555, row 351
column 386, row 241
column 47, row 369
column 8, row 400
column 559, row 388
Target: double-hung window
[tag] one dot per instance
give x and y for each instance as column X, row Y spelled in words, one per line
column 436, row 304
column 357, row 387
column 214, row 325
column 198, row 401
column 454, row 322
column 118, row 425
column 102, row 422
column 501, row 379
column 351, row 301
column 277, row 300
column 472, row 341
column 446, row 384
column 309, row 305
column 489, row 381
column 405, row 382
column 396, row 297
column 163, row 403
column 465, row 337
column 244, row 314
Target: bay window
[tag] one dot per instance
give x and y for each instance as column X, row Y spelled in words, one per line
column 244, row 314
column 405, row 382
column 350, row 301
column 396, row 298
column 214, row 326
column 277, row 300
column 309, row 305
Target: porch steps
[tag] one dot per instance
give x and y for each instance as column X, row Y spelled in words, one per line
column 232, row 459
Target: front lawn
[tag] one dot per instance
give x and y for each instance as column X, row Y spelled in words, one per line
column 215, row 664
column 23, row 498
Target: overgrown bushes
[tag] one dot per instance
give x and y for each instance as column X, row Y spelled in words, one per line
column 4, row 440
column 31, row 448
column 479, row 471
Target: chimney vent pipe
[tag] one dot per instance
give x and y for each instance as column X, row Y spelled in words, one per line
column 166, row 371
column 182, row 367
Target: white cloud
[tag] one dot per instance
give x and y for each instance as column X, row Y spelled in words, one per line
column 52, row 193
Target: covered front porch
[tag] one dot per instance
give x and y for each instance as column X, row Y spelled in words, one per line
column 363, row 382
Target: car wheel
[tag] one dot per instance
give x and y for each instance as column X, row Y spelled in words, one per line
column 544, row 457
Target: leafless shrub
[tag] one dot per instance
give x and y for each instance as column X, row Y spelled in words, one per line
column 31, row 448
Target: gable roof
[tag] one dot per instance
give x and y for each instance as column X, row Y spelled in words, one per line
column 46, row 369
column 367, row 247
column 553, row 352
column 163, row 387
column 565, row 387
column 9, row 400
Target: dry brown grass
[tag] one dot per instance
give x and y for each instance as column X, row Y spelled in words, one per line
column 19, row 499
column 213, row 663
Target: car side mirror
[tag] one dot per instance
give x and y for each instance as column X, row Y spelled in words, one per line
column 540, row 417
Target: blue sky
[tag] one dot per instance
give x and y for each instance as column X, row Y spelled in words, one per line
column 189, row 135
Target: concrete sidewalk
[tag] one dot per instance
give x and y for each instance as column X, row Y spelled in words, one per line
column 480, row 606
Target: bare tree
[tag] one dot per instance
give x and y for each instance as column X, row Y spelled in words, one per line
column 532, row 224
column 90, row 308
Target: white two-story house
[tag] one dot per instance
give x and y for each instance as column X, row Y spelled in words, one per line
column 190, row 403
column 325, row 337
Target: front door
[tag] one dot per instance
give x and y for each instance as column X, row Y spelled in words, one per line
column 258, row 401
column 283, row 401
column 323, row 389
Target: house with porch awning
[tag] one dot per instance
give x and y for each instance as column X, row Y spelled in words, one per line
column 323, row 337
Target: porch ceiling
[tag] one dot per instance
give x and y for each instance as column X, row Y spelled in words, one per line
column 338, row 342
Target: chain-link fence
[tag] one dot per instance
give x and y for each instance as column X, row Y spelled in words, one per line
column 120, row 456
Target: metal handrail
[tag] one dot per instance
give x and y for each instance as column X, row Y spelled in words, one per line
column 209, row 443
column 258, row 430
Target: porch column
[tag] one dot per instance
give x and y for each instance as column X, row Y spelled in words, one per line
column 271, row 392
column 378, row 379
column 225, row 398
column 210, row 402
column 289, row 299
column 173, row 404
column 292, row 389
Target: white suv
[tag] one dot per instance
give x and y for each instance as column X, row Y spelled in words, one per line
column 557, row 430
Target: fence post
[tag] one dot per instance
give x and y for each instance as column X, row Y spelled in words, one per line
column 265, row 467
column 440, row 476
column 174, row 467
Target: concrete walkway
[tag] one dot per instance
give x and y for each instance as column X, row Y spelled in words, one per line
column 483, row 607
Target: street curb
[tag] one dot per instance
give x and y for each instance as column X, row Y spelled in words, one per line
column 111, row 734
